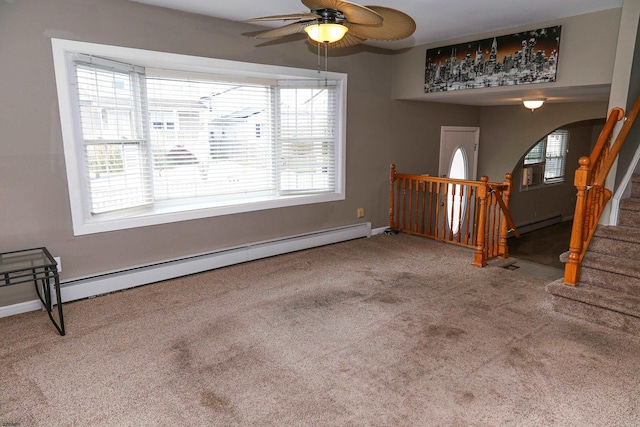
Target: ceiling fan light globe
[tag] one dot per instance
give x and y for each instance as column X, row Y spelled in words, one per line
column 328, row 33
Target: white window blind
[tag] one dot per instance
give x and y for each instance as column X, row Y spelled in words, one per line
column 549, row 154
column 210, row 138
column 536, row 154
column 114, row 149
column 307, row 138
column 155, row 137
column 555, row 156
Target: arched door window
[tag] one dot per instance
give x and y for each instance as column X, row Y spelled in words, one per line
column 456, row 204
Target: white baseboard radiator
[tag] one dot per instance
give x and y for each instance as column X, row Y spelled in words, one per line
column 533, row 226
column 87, row 287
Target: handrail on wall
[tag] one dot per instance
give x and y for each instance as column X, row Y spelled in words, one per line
column 589, row 181
column 473, row 214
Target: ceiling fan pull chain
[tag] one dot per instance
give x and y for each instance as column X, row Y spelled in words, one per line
column 318, row 58
column 326, row 63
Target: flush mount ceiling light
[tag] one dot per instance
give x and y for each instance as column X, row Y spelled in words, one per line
column 326, row 32
column 533, row 103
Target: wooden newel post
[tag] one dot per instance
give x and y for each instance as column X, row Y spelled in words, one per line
column 581, row 181
column 392, row 180
column 504, row 226
column 479, row 257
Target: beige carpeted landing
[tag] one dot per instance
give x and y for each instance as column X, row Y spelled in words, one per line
column 386, row 331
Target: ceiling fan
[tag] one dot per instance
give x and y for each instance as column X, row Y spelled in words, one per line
column 339, row 23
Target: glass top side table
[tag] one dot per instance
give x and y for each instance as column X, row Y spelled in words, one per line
column 37, row 266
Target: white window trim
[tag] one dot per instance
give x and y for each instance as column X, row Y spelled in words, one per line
column 86, row 225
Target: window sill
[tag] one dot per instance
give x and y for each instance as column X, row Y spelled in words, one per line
column 175, row 212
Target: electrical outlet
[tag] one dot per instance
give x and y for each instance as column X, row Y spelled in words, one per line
column 57, row 258
column 360, row 212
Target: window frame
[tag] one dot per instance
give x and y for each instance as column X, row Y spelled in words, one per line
column 541, row 166
column 84, row 223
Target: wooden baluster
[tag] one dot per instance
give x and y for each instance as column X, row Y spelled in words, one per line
column 601, row 177
column 487, row 231
column 592, row 205
column 502, row 233
column 495, row 226
column 479, row 259
column 392, row 181
column 452, row 210
column 601, row 149
column 476, row 215
column 416, row 210
column 445, row 207
column 417, row 215
column 581, row 180
column 430, row 216
column 416, row 207
column 436, row 223
column 404, row 204
column 504, row 230
column 491, row 242
column 410, row 209
column 460, row 212
column 462, row 194
column 467, row 221
column 592, row 213
column 424, row 202
column 399, row 199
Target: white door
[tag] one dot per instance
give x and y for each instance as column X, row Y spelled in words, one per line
column 463, row 141
column 458, row 160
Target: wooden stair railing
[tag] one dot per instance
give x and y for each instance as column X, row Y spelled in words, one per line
column 592, row 196
column 473, row 214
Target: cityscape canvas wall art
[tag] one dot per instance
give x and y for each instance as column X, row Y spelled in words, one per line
column 516, row 59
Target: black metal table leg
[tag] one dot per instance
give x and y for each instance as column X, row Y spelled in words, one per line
column 46, row 290
column 59, row 300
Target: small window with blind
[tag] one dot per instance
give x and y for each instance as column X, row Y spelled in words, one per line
column 545, row 162
column 152, row 137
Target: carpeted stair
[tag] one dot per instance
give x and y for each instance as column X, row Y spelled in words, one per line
column 609, row 289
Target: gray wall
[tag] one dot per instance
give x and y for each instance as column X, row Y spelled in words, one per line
column 35, row 205
column 587, row 55
column 633, row 139
column 622, row 94
column 507, row 132
column 530, row 206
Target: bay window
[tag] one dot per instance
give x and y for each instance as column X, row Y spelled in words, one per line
column 152, row 137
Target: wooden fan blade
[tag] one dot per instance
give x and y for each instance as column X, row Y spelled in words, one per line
column 395, row 26
column 346, row 41
column 287, row 30
column 353, row 12
column 285, row 17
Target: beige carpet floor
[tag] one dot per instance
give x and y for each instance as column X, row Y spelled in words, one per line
column 386, row 331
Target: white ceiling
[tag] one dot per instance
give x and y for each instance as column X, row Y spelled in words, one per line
column 436, row 20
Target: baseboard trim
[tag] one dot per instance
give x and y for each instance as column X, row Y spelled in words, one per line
column 522, row 229
column 87, row 287
column 19, row 308
column 377, row 231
